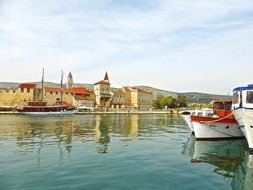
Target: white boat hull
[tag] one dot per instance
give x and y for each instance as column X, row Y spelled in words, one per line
column 207, row 130
column 68, row 112
column 187, row 119
column 245, row 119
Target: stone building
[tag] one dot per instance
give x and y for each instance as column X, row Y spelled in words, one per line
column 102, row 93
column 83, row 97
column 119, row 98
column 75, row 96
column 138, row 98
column 17, row 97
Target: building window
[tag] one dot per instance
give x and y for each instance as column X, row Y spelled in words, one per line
column 51, row 92
column 56, row 93
column 22, row 90
column 28, row 90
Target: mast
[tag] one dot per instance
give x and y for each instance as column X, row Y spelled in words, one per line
column 42, row 84
column 61, row 85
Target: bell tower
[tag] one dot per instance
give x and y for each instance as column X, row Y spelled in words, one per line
column 103, row 92
column 69, row 81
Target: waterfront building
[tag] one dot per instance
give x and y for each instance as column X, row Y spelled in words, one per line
column 75, row 96
column 25, row 92
column 19, row 96
column 119, row 98
column 138, row 98
column 102, row 93
column 83, row 97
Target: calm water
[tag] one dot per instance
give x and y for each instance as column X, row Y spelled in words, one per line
column 116, row 152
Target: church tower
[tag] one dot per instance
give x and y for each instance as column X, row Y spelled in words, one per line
column 69, row 81
column 102, row 91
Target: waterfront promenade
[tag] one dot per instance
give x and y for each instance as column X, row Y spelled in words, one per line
column 167, row 111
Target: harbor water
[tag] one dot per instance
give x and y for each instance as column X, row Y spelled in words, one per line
column 117, row 152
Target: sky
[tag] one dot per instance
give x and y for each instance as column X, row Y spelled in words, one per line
column 175, row 45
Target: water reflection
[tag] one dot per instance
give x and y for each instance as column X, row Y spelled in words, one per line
column 243, row 179
column 188, row 147
column 230, row 159
column 102, row 133
column 32, row 132
column 64, row 136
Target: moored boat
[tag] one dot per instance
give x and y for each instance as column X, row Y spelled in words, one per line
column 186, row 115
column 220, row 125
column 41, row 107
column 242, row 108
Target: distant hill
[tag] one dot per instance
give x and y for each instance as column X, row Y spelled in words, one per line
column 157, row 92
column 197, row 97
column 192, row 97
column 47, row 84
column 8, row 84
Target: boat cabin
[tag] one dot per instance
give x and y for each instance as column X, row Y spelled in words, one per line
column 243, row 97
column 36, row 103
column 222, row 108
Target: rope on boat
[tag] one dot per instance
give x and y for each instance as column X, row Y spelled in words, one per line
column 217, row 119
column 213, row 128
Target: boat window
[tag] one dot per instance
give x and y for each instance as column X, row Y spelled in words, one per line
column 249, row 98
column 235, row 99
column 218, row 106
column 228, row 105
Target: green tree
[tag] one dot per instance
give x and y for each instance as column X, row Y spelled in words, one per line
column 167, row 101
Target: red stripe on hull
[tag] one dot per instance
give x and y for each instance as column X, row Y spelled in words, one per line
column 211, row 119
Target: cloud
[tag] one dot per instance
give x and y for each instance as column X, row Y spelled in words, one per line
column 174, row 45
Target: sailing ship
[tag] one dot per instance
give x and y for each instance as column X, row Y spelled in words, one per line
column 41, row 107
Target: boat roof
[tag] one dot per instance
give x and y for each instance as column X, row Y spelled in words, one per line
column 241, row 88
column 221, row 101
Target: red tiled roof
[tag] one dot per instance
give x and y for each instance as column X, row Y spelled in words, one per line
column 27, row 85
column 102, row 82
column 48, row 89
column 79, row 90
